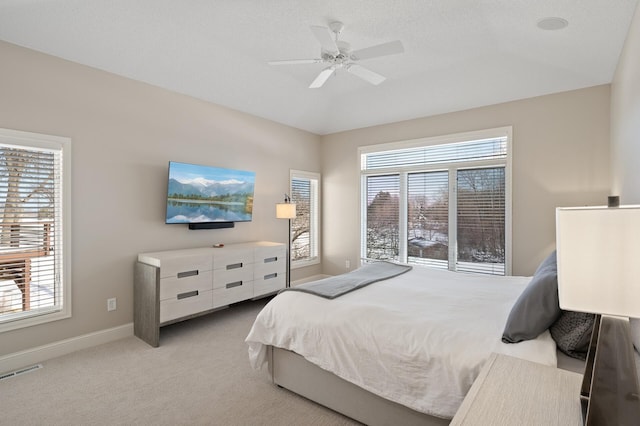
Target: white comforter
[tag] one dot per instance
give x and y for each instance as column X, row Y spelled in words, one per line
column 419, row 339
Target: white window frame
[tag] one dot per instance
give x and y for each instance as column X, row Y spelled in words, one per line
column 314, row 225
column 452, row 167
column 62, row 239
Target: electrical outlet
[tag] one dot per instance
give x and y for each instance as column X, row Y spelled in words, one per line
column 347, row 264
column 111, row 304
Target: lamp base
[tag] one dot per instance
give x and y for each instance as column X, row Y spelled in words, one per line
column 610, row 393
column 289, row 257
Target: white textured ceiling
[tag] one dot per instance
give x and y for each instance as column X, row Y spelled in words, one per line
column 459, row 54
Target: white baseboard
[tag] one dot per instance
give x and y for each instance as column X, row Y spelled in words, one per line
column 308, row 279
column 31, row 356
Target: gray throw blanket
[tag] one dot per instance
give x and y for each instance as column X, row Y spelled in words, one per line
column 368, row 273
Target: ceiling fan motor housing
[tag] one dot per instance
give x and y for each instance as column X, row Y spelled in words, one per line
column 336, row 27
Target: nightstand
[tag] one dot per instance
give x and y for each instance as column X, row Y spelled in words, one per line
column 512, row 391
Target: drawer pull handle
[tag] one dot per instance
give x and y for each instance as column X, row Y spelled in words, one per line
column 234, row 284
column 187, row 274
column 270, row 276
column 187, row 294
column 234, row 266
column 271, row 259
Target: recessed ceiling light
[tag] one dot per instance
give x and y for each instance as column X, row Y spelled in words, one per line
column 552, row 23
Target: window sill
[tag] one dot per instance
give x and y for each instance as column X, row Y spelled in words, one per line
column 23, row 321
column 304, row 263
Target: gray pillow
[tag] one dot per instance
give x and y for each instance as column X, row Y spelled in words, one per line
column 537, row 307
column 634, row 324
column 572, row 333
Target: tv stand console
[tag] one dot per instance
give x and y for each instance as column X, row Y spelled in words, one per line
column 176, row 285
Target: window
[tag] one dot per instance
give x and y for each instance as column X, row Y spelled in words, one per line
column 34, row 233
column 442, row 202
column 383, row 198
column 305, row 187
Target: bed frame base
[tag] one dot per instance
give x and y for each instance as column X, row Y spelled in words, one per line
column 291, row 371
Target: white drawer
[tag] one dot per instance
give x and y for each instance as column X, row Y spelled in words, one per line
column 269, row 254
column 173, row 286
column 222, row 277
column 171, row 309
column 185, row 265
column 269, row 264
column 225, row 296
column 269, row 283
column 269, row 267
column 232, row 259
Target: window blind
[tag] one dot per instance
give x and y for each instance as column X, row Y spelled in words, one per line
column 304, row 228
column 448, row 201
column 301, row 225
column 30, row 231
column 483, row 149
column 428, row 218
column 383, row 232
column 481, row 220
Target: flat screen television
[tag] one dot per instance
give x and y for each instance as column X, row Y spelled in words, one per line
column 206, row 195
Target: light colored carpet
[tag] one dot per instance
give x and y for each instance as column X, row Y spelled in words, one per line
column 200, row 375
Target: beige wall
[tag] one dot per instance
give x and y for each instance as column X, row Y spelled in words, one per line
column 560, row 158
column 625, row 119
column 123, row 135
column 125, row 132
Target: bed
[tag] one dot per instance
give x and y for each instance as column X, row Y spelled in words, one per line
column 404, row 350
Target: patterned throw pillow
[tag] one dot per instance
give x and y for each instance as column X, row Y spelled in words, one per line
column 572, row 333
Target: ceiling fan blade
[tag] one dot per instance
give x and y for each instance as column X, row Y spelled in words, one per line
column 323, row 35
column 295, row 62
column 322, row 77
column 365, row 74
column 384, row 49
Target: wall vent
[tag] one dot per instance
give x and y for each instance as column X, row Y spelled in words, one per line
column 21, row 371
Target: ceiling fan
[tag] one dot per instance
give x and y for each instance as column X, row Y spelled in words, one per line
column 337, row 54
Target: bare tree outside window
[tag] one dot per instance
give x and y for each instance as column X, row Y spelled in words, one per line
column 383, row 235
column 301, row 225
column 481, row 215
column 305, row 227
column 26, row 227
column 27, row 194
column 428, row 217
column 449, row 198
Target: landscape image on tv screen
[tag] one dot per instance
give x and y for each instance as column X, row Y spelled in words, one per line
column 200, row 194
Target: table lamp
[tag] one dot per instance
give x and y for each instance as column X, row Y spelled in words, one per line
column 598, row 250
column 287, row 210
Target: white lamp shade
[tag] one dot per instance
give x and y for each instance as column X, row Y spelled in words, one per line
column 598, row 252
column 285, row 211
